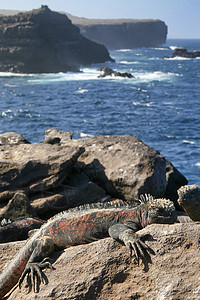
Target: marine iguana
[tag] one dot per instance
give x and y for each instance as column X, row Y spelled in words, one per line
column 82, row 225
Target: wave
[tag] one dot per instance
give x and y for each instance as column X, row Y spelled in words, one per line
column 11, row 114
column 84, row 74
column 188, row 142
column 124, row 50
column 177, row 58
column 81, row 91
column 15, row 75
column 148, row 104
column 155, row 76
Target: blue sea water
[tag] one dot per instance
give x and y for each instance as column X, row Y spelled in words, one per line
column 161, row 105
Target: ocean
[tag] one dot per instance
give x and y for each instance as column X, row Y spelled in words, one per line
column 161, row 105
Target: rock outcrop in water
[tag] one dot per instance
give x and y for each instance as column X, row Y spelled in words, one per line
column 43, row 41
column 123, row 33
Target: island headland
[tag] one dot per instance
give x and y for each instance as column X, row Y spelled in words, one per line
column 123, row 33
column 119, row 33
column 44, row 41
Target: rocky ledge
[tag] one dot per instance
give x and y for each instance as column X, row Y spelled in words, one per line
column 103, row 269
column 43, row 41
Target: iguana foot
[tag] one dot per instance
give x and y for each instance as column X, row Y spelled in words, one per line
column 34, row 270
column 134, row 243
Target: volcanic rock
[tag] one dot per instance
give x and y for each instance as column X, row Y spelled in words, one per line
column 189, row 199
column 103, row 269
column 12, row 138
column 18, row 207
column 110, row 72
column 35, row 167
column 43, row 41
column 123, row 166
column 122, row 33
column 183, row 52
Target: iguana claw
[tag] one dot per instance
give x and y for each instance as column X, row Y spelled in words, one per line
column 133, row 243
column 34, row 270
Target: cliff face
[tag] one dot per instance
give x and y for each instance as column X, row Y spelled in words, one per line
column 43, row 41
column 123, row 33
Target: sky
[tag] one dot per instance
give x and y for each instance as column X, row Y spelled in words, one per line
column 181, row 16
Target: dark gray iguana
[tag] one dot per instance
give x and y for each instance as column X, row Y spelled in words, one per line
column 84, row 225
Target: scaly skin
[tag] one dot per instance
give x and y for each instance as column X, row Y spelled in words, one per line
column 83, row 225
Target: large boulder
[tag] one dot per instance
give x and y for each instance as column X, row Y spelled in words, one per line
column 189, row 199
column 174, row 181
column 35, row 167
column 12, row 138
column 123, row 166
column 44, row 41
column 103, row 269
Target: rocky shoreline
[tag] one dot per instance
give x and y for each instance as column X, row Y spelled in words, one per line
column 41, row 179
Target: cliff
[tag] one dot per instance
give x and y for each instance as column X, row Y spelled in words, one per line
column 123, row 33
column 43, row 41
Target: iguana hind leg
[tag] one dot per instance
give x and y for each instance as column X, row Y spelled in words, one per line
column 38, row 261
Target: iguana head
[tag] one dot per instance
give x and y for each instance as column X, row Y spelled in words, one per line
column 159, row 210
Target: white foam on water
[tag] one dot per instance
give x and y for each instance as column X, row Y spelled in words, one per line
column 124, row 50
column 85, row 135
column 177, row 58
column 154, row 76
column 188, row 142
column 81, row 91
column 84, row 74
column 9, row 74
column 124, row 62
column 197, row 164
column 148, row 104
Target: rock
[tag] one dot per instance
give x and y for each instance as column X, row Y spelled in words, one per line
column 103, row 269
column 44, row 41
column 182, row 52
column 19, row 229
column 123, row 166
column 123, row 33
column 189, row 199
column 12, row 138
column 35, row 167
column 17, row 207
column 75, row 191
column 65, row 136
column 109, row 72
column 174, row 181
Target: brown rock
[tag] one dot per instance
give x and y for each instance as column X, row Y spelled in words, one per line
column 65, row 136
column 189, row 199
column 35, row 167
column 17, row 207
column 103, row 269
column 12, row 138
column 123, row 166
column 174, row 181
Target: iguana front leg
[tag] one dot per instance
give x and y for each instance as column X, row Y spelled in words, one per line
column 127, row 235
column 42, row 248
